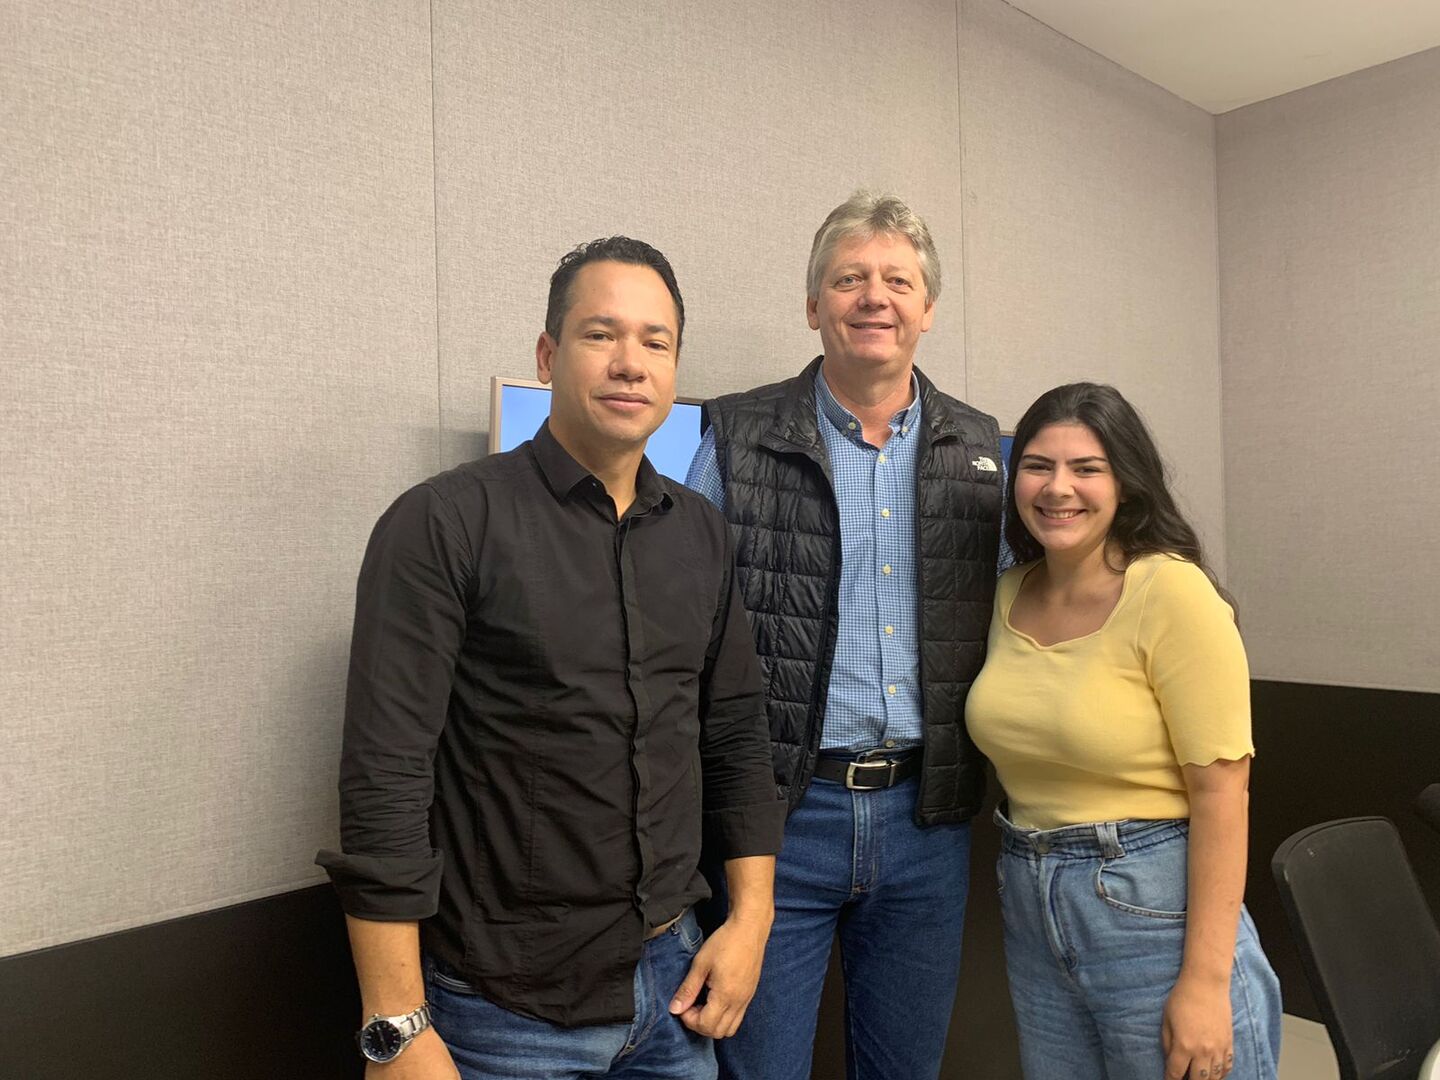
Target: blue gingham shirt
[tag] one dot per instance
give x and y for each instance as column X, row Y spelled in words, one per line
column 874, row 694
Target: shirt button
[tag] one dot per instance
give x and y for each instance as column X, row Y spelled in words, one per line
column 882, row 459
column 885, row 569
column 904, row 429
column 889, row 630
column 885, row 513
column 891, row 689
column 851, row 425
column 889, row 744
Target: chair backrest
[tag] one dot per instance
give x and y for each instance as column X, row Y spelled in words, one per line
column 1368, row 942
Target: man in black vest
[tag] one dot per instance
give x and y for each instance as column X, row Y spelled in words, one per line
column 865, row 509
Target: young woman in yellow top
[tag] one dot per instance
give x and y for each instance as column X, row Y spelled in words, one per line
column 1115, row 705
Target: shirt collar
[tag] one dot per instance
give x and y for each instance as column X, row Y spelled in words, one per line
column 564, row 475
column 847, row 424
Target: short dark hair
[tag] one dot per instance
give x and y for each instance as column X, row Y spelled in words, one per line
column 1147, row 521
column 619, row 249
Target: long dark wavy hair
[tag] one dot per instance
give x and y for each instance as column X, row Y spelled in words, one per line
column 1147, row 521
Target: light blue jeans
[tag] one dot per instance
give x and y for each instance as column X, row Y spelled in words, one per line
column 855, row 862
column 1094, row 933
column 491, row 1043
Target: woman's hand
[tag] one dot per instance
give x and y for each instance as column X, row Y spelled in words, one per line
column 1197, row 1032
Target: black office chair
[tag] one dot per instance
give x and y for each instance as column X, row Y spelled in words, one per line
column 1368, row 941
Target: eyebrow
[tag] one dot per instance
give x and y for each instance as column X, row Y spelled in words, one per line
column 888, row 268
column 610, row 321
column 1073, row 461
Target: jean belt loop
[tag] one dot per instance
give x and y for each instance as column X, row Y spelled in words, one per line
column 1108, row 833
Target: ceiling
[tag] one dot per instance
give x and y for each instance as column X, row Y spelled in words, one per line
column 1222, row 54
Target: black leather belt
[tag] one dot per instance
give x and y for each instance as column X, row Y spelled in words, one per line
column 867, row 773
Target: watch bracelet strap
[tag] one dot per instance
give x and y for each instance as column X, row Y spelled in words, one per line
column 413, row 1023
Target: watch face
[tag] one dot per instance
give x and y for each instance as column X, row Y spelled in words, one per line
column 380, row 1040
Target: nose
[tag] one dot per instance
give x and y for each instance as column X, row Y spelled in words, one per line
column 1059, row 483
column 873, row 294
column 628, row 361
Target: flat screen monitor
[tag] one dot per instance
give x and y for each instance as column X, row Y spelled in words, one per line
column 517, row 406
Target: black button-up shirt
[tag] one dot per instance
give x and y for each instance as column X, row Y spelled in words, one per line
column 544, row 705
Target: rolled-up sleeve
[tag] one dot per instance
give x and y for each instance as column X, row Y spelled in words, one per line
column 410, row 612
column 743, row 812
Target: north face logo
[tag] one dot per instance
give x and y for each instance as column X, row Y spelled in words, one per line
column 984, row 464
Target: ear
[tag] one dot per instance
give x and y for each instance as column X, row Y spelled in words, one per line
column 812, row 313
column 544, row 357
column 929, row 316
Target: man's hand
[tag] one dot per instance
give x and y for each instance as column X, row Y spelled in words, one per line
column 426, row 1058
column 728, row 965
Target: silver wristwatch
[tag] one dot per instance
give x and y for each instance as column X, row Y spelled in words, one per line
column 383, row 1037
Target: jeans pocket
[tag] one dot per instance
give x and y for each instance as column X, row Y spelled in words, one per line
column 437, row 976
column 1150, row 882
column 1000, row 875
column 689, row 932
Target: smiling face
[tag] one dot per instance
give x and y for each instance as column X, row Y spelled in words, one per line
column 872, row 307
column 613, row 369
column 1065, row 491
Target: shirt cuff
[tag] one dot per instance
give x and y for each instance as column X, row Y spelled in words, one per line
column 738, row 832
column 385, row 889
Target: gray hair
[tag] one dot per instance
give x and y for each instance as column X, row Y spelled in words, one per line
column 867, row 214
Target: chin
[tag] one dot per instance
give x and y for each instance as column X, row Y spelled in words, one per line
column 873, row 358
column 637, row 433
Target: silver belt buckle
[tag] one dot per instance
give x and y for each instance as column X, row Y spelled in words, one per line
column 891, row 766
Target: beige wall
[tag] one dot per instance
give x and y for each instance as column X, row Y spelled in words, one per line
column 1330, row 305
column 1090, row 248
column 254, row 291
column 723, row 136
column 217, row 318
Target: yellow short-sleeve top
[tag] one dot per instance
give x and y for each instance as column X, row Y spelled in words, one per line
column 1097, row 727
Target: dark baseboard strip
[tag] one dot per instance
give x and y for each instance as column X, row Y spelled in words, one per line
column 261, row 989
column 1328, row 752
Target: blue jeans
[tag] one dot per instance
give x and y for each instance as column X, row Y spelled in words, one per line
column 857, row 862
column 1094, row 933
column 491, row 1043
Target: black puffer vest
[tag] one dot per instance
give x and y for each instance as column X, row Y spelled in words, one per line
column 780, row 503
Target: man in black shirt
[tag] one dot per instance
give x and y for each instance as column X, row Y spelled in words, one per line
column 553, row 695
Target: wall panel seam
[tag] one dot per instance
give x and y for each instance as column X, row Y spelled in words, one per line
column 964, row 225
column 1220, row 360
column 435, row 245
column 1220, row 357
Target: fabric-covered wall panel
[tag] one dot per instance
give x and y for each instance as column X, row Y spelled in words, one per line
column 1090, row 246
column 218, row 330
column 1330, row 259
column 720, row 134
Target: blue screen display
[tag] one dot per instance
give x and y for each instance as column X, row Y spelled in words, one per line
column 670, row 449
